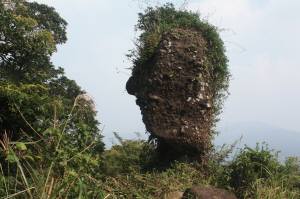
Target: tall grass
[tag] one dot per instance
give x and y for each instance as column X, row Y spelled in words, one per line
column 49, row 167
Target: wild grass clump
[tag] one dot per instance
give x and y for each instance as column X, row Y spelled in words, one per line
column 155, row 183
column 129, row 156
column 258, row 173
column 250, row 165
column 283, row 184
column 54, row 164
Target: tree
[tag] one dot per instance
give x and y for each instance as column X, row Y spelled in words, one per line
column 37, row 100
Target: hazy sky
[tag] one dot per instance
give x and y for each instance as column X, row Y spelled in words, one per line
column 262, row 41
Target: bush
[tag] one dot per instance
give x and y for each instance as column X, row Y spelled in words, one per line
column 250, row 165
column 128, row 157
column 154, row 184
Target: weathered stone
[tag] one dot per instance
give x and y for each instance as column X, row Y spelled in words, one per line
column 173, row 195
column 201, row 192
column 180, row 98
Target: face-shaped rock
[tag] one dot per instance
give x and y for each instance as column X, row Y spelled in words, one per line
column 173, row 91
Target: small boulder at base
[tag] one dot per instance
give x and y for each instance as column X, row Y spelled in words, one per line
column 201, row 192
column 173, row 195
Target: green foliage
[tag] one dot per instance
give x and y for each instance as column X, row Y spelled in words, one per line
column 274, row 189
column 130, row 156
column 50, row 141
column 154, row 184
column 283, row 184
column 252, row 164
column 253, row 173
column 57, row 164
column 26, row 46
column 290, row 172
column 71, row 172
column 35, row 95
column 47, row 18
column 154, row 22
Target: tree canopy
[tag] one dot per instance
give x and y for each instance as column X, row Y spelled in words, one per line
column 37, row 99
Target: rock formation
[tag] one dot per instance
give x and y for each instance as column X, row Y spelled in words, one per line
column 173, row 92
column 201, row 192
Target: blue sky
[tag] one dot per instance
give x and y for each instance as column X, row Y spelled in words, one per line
column 262, row 41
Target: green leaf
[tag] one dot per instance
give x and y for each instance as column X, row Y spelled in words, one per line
column 12, row 158
column 21, row 146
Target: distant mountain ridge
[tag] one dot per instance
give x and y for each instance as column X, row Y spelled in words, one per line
column 279, row 139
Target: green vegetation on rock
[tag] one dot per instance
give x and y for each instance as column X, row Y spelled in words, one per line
column 154, row 22
column 180, row 78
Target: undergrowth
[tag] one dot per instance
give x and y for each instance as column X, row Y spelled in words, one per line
column 125, row 171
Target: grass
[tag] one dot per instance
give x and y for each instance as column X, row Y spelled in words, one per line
column 54, row 167
column 26, row 180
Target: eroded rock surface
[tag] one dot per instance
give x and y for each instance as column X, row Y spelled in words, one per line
column 200, row 192
column 173, row 195
column 173, row 92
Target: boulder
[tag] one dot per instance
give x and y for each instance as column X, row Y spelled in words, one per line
column 173, row 195
column 201, row 192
